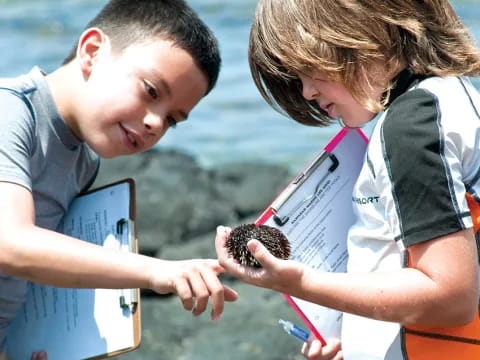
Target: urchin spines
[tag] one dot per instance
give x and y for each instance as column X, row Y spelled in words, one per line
column 273, row 239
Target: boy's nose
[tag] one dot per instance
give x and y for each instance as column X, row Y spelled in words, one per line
column 309, row 92
column 152, row 123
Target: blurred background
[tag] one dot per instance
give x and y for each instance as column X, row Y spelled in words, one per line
column 233, row 123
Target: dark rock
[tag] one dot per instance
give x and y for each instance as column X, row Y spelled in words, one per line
column 175, row 197
column 250, row 186
column 201, row 247
column 177, row 200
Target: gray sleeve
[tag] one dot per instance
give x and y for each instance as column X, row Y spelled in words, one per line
column 17, row 141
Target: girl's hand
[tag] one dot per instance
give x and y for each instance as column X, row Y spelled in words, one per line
column 194, row 281
column 313, row 349
column 280, row 275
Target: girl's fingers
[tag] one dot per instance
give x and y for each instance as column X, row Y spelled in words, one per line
column 339, row 356
column 260, row 252
column 220, row 243
column 332, row 348
column 313, row 350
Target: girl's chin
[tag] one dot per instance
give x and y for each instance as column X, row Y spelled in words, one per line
column 356, row 122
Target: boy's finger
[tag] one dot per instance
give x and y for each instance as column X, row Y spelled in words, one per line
column 214, row 265
column 38, row 355
column 182, row 289
column 215, row 290
column 230, row 294
column 200, row 292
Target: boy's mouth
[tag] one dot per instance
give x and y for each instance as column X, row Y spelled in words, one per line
column 131, row 138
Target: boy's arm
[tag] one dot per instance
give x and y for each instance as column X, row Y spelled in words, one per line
column 51, row 258
column 440, row 290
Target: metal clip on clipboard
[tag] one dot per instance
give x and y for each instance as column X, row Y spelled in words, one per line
column 128, row 297
column 281, row 220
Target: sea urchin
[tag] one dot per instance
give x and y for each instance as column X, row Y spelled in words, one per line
column 273, row 239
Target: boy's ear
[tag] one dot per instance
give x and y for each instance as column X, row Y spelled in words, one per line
column 91, row 44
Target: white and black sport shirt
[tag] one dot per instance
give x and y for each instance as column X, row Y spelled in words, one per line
column 423, row 156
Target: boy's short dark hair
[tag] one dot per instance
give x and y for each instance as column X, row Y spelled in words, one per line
column 127, row 22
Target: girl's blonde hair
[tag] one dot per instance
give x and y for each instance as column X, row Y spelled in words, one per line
column 345, row 38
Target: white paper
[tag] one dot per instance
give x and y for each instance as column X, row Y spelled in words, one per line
column 78, row 323
column 317, row 229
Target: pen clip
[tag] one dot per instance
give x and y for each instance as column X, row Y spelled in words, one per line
column 300, row 179
column 126, row 227
column 126, row 235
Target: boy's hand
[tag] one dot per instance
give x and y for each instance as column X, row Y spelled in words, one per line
column 280, row 275
column 38, row 355
column 194, row 281
column 313, row 349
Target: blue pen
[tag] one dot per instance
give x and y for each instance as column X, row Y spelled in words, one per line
column 294, row 330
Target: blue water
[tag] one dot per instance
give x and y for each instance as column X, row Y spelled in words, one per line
column 231, row 124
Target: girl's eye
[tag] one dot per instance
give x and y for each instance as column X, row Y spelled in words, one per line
column 151, row 91
column 320, row 78
column 171, row 122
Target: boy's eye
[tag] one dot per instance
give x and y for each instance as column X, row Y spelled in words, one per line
column 171, row 122
column 150, row 90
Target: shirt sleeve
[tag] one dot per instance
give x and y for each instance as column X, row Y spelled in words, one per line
column 424, row 169
column 17, row 142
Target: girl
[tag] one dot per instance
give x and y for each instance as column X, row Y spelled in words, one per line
column 411, row 290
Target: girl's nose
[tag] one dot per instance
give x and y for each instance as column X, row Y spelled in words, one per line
column 309, row 92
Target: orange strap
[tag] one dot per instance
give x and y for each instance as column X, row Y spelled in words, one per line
column 474, row 211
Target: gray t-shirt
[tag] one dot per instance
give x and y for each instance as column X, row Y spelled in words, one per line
column 38, row 151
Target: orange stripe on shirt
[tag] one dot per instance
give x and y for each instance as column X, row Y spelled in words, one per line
column 462, row 342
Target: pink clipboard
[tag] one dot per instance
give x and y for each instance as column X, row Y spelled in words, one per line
column 346, row 149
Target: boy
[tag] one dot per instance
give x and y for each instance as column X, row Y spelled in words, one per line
column 138, row 69
column 411, row 290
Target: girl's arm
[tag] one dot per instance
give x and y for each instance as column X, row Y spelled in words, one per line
column 441, row 288
column 32, row 253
